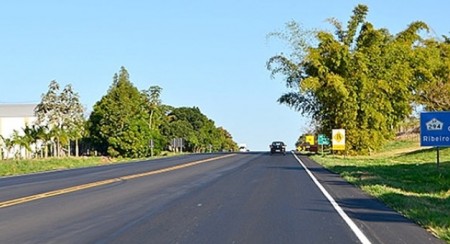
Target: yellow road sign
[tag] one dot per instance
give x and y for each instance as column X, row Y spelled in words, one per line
column 338, row 139
column 310, row 140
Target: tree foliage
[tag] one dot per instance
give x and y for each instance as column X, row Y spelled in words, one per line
column 125, row 120
column 198, row 131
column 60, row 115
column 363, row 79
column 153, row 100
column 122, row 124
column 73, row 121
column 432, row 72
column 119, row 122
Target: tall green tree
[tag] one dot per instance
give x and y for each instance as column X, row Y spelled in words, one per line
column 49, row 112
column 118, row 124
column 156, row 113
column 62, row 113
column 359, row 78
column 180, row 125
column 226, row 141
column 432, row 74
column 199, row 132
column 73, row 120
column 153, row 96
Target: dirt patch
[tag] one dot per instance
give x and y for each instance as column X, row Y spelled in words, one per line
column 106, row 160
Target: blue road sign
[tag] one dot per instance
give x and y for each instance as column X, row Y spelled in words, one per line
column 435, row 129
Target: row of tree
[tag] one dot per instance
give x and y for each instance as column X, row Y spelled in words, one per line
column 126, row 122
column 363, row 79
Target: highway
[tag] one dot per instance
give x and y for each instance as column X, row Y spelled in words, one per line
column 250, row 197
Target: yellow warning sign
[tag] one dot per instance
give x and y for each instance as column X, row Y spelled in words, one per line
column 338, row 139
column 310, row 140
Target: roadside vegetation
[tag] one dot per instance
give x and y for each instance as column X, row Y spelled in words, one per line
column 406, row 178
column 361, row 78
column 374, row 84
column 125, row 122
column 12, row 167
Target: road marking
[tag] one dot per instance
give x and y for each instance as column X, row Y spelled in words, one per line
column 363, row 238
column 103, row 182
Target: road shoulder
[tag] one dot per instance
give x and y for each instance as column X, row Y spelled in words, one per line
column 379, row 223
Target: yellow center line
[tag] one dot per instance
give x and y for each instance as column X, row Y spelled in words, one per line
column 103, row 182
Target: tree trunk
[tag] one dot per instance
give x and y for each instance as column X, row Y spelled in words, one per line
column 58, row 148
column 77, row 150
column 151, row 116
column 69, row 153
column 54, row 151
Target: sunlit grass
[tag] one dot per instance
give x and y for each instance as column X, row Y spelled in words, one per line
column 400, row 144
column 407, row 180
column 18, row 167
column 12, row 167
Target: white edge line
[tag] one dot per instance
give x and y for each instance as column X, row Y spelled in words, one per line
column 363, row 238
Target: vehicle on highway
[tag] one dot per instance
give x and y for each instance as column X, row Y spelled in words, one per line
column 243, row 148
column 278, row 146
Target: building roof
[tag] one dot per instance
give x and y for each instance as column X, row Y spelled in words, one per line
column 17, row 110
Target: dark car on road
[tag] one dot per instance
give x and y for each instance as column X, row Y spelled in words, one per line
column 278, row 147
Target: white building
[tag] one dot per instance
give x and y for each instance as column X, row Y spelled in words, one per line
column 15, row 117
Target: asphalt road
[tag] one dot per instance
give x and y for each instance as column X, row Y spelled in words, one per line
column 237, row 198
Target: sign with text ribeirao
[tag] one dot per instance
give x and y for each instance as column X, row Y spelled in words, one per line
column 435, row 129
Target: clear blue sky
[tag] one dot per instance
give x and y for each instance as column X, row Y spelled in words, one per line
column 209, row 54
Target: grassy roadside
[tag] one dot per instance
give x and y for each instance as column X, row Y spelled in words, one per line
column 18, row 167
column 12, row 167
column 406, row 178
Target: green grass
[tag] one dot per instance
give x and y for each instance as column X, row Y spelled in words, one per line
column 12, row 167
column 408, row 180
column 18, row 167
column 400, row 144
